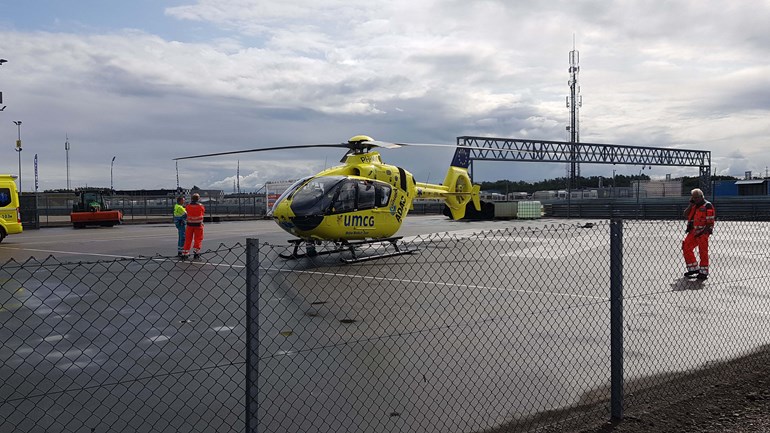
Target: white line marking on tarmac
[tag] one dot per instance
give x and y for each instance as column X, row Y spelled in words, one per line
column 336, row 274
column 62, row 238
column 404, row 280
column 69, row 252
column 437, row 283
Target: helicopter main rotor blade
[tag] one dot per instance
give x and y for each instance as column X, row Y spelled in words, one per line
column 351, row 146
column 263, row 149
column 448, row 146
column 385, row 144
column 390, row 145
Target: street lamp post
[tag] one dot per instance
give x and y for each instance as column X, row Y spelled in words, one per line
column 111, row 164
column 1, row 93
column 67, row 156
column 638, row 184
column 614, row 185
column 18, row 148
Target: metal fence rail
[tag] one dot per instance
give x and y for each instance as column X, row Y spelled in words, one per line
column 53, row 209
column 491, row 331
column 755, row 208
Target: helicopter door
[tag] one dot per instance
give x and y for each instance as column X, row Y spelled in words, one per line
column 358, row 195
column 382, row 195
column 346, row 198
column 366, row 195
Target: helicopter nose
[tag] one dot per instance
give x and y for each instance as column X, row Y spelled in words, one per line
column 280, row 215
column 307, row 222
column 285, row 216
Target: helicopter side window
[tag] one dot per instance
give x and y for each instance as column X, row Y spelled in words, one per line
column 366, row 195
column 346, row 199
column 382, row 195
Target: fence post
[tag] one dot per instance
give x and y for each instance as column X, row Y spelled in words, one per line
column 252, row 333
column 616, row 319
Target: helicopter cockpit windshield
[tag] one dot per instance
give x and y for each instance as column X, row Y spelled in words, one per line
column 316, row 196
column 289, row 191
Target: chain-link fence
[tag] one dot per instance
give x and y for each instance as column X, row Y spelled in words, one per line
column 140, row 345
column 510, row 330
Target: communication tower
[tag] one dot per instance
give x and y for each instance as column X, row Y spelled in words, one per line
column 574, row 102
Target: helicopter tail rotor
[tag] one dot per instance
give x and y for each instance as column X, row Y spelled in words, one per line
column 461, row 191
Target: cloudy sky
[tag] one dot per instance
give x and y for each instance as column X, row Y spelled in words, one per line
column 146, row 81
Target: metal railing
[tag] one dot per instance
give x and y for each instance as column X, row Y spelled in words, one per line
column 53, row 209
column 510, row 330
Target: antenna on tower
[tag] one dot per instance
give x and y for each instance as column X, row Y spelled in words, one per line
column 238, row 176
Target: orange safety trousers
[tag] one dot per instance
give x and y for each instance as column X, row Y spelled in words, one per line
column 688, row 249
column 193, row 236
column 700, row 219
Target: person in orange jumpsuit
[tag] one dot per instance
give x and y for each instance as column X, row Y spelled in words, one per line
column 193, row 235
column 700, row 224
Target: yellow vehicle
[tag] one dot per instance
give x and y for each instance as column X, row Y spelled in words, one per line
column 363, row 200
column 10, row 216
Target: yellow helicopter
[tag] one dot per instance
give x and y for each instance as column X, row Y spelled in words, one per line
column 362, row 201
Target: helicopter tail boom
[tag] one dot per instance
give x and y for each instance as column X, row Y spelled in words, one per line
column 456, row 191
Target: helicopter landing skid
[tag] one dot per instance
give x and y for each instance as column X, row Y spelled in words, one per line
column 351, row 246
column 340, row 247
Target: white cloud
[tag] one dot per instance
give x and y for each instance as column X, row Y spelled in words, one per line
column 691, row 75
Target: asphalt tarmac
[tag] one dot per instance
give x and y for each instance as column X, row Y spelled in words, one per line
column 146, row 240
column 471, row 332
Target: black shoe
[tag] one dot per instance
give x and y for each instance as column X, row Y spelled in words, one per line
column 183, row 257
column 179, row 254
column 196, row 256
column 703, row 277
column 691, row 274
